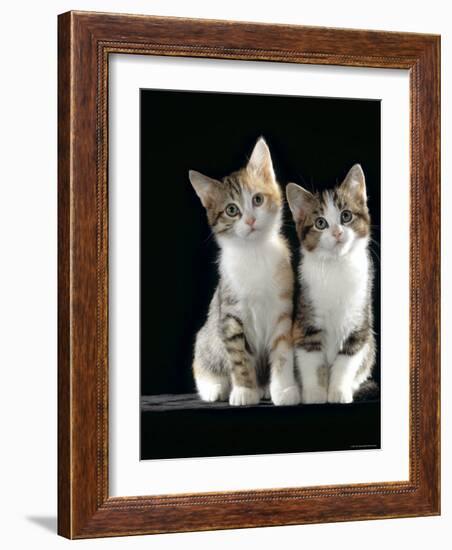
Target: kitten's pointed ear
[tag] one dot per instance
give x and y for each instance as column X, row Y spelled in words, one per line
column 207, row 189
column 260, row 162
column 300, row 201
column 355, row 183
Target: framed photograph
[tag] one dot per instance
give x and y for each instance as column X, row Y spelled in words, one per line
column 248, row 275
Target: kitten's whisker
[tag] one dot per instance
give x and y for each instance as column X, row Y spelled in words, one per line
column 375, row 254
column 209, row 237
column 374, row 242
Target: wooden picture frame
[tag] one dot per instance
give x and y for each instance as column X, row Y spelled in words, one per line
column 85, row 42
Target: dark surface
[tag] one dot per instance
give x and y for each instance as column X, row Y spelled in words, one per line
column 163, row 402
column 181, row 426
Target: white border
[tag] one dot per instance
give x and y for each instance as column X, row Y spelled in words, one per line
column 129, row 475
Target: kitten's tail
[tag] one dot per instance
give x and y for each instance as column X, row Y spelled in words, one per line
column 368, row 391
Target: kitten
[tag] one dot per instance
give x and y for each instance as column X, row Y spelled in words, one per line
column 333, row 328
column 244, row 350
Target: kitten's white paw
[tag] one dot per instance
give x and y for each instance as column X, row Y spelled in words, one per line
column 314, row 395
column 340, row 395
column 285, row 396
column 209, row 391
column 244, row 396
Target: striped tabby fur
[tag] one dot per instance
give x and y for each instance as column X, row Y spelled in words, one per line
column 333, row 328
column 244, row 350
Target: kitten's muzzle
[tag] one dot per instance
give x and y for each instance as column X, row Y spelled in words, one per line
column 338, row 233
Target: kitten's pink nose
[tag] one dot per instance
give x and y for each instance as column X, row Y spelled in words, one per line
column 250, row 221
column 337, row 232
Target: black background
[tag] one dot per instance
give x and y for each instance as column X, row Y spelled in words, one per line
column 313, row 142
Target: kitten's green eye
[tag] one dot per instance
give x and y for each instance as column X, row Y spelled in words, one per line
column 346, row 216
column 232, row 210
column 321, row 223
column 258, row 199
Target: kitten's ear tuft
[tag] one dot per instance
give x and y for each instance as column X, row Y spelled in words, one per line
column 355, row 182
column 300, row 201
column 260, row 162
column 206, row 188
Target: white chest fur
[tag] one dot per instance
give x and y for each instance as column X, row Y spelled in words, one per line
column 337, row 290
column 251, row 271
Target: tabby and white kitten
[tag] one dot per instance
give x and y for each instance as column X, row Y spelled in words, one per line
column 333, row 327
column 244, row 350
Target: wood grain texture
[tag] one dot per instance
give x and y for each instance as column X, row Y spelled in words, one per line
column 85, row 42
column 64, row 295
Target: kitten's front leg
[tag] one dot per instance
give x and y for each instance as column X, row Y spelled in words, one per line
column 313, row 374
column 344, row 369
column 311, row 365
column 283, row 387
column 243, row 373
